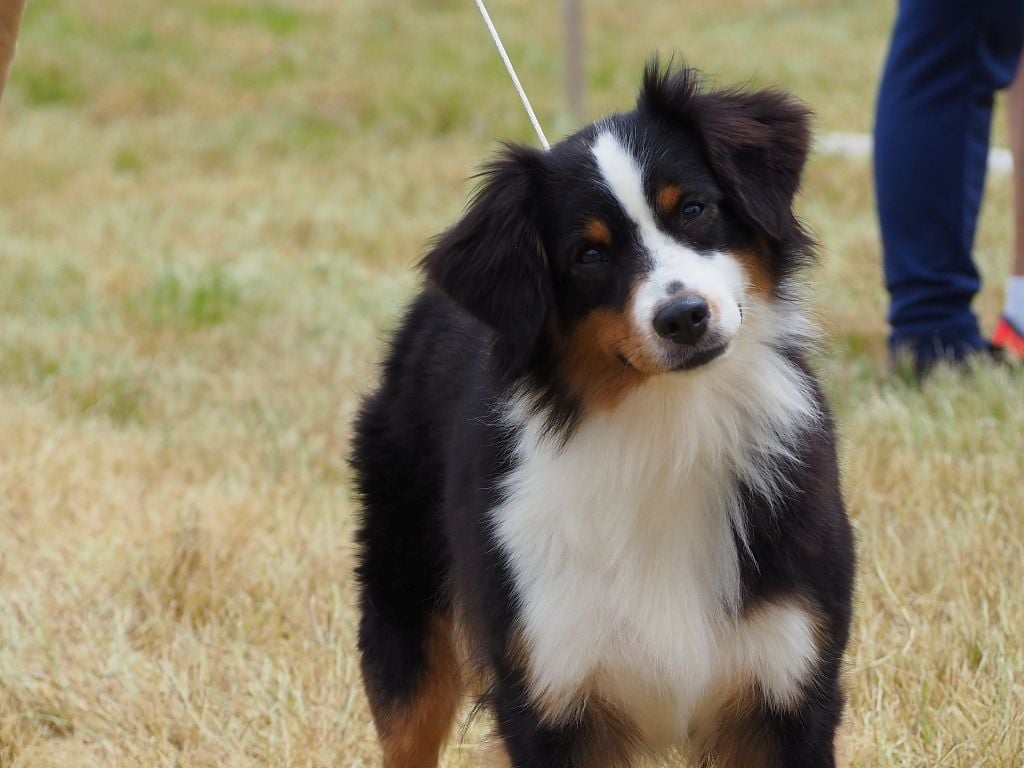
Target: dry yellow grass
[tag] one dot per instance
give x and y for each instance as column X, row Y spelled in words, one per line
column 208, row 209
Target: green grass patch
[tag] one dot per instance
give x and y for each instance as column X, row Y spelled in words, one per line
column 190, row 302
column 25, row 365
column 265, row 74
column 128, row 160
column 145, row 41
column 120, row 397
column 276, row 19
column 313, row 130
column 305, row 134
column 49, row 84
column 44, row 289
column 139, row 40
column 50, row 18
column 77, row 382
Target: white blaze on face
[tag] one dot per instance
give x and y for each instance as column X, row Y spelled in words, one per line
column 717, row 276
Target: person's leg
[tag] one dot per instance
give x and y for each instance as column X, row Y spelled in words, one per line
column 1015, row 112
column 947, row 58
column 1009, row 332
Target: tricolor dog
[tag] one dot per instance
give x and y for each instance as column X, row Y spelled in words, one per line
column 598, row 478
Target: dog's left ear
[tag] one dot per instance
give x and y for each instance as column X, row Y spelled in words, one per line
column 757, row 141
column 492, row 261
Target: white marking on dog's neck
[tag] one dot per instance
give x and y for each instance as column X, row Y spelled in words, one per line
column 622, row 538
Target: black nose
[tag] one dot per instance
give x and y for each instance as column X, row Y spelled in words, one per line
column 683, row 320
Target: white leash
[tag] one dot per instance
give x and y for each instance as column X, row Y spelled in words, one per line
column 512, row 74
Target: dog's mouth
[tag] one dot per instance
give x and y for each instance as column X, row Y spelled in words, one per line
column 700, row 358
column 690, row 361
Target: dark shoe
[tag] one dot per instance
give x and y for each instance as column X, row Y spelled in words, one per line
column 917, row 366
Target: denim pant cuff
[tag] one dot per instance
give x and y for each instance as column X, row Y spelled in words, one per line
column 930, row 347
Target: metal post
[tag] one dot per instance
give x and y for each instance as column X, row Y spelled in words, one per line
column 572, row 20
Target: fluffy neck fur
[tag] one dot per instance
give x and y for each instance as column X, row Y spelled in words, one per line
column 621, row 535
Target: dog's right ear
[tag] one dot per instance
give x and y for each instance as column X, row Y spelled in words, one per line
column 492, row 261
column 756, row 141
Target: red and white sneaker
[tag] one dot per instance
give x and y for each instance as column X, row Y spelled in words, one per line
column 1009, row 338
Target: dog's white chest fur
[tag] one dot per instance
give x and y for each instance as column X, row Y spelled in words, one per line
column 624, row 555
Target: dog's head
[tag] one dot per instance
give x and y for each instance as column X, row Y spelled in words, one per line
column 635, row 247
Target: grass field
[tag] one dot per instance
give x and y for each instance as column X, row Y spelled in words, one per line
column 208, row 213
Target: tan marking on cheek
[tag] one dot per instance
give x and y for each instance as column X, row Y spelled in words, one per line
column 412, row 735
column 591, row 355
column 668, row 198
column 596, row 231
column 618, row 336
column 759, row 277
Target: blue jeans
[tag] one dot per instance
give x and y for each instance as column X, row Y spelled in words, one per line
column 946, row 60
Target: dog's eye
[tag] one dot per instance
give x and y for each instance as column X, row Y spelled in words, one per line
column 690, row 211
column 591, row 255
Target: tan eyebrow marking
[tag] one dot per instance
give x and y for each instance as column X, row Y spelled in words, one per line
column 668, row 198
column 596, row 231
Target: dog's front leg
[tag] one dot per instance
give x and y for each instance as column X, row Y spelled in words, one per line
column 594, row 735
column 767, row 737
